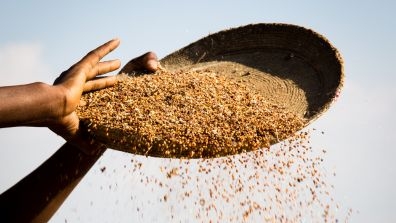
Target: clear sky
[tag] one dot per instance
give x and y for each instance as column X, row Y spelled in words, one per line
column 40, row 39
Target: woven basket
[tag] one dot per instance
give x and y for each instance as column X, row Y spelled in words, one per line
column 287, row 64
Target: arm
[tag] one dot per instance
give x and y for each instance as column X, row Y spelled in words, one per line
column 19, row 104
column 53, row 106
column 38, row 196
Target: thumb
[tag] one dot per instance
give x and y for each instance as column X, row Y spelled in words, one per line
column 147, row 62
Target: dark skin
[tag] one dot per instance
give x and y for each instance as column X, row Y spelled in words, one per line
column 38, row 196
column 59, row 101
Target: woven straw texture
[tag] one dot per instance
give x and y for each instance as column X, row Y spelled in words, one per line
column 289, row 65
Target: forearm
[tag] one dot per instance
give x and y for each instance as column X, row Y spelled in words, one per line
column 37, row 197
column 30, row 104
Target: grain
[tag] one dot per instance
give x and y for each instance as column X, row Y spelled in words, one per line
column 199, row 114
column 193, row 114
column 284, row 183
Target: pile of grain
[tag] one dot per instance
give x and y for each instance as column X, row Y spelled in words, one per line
column 192, row 114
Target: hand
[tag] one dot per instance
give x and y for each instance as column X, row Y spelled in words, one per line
column 81, row 78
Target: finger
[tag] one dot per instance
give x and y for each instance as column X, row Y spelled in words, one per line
column 146, row 62
column 99, row 83
column 104, row 67
column 93, row 57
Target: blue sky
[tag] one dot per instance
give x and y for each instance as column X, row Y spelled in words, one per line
column 40, row 39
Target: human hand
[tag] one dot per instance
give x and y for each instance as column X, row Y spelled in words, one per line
column 82, row 77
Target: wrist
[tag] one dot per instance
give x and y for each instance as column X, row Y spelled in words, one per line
column 59, row 101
